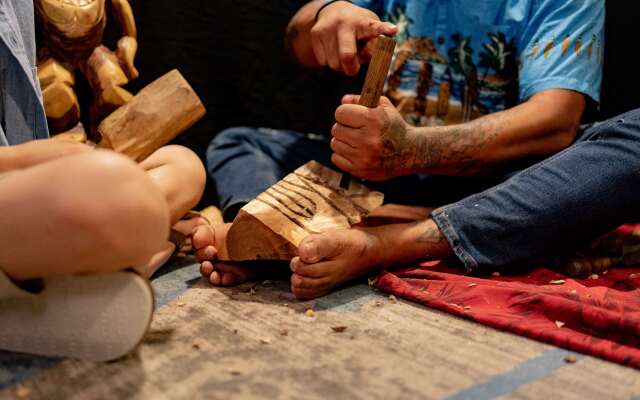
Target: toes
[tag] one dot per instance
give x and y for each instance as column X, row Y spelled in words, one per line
column 215, row 278
column 318, row 247
column 203, row 235
column 206, row 253
column 206, row 268
column 303, row 282
column 308, row 294
column 229, row 279
column 308, row 270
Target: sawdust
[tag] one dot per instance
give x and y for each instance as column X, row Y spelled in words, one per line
column 570, row 359
column 265, row 340
column 284, row 332
column 560, row 324
column 593, row 276
column 634, row 276
column 557, row 282
column 339, row 328
column 472, row 285
column 392, row 299
column 495, row 273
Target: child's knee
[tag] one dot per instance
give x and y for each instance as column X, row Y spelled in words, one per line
column 117, row 206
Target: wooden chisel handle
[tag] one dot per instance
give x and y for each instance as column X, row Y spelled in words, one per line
column 377, row 72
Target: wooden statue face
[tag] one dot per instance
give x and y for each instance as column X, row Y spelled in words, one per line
column 72, row 18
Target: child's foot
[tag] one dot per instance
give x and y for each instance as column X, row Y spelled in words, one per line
column 330, row 259
column 206, row 240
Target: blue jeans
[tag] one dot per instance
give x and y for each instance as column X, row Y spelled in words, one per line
column 552, row 207
column 22, row 116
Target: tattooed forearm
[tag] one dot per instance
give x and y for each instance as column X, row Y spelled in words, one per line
column 431, row 235
column 450, row 150
column 457, row 150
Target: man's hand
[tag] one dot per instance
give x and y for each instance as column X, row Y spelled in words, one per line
column 372, row 143
column 341, row 26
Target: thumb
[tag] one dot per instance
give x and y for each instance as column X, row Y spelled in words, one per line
column 385, row 102
column 350, row 99
column 371, row 29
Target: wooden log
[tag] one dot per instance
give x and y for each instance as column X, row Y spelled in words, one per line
column 309, row 200
column 157, row 114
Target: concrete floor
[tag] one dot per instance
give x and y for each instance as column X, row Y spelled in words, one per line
column 257, row 341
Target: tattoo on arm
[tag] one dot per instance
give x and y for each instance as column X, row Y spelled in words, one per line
column 448, row 150
column 431, row 236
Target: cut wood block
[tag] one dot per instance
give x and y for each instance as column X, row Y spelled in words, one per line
column 157, row 114
column 307, row 201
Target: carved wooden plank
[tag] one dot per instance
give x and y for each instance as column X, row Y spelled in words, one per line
column 307, row 201
column 158, row 113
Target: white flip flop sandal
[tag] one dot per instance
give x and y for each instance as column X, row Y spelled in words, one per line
column 91, row 317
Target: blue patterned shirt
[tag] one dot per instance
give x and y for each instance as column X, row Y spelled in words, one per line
column 460, row 59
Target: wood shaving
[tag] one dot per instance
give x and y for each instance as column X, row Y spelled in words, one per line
column 235, row 372
column 634, row 276
column 372, row 281
column 23, row 392
column 181, row 304
column 378, row 303
column 284, row 332
column 267, row 282
column 265, row 340
column 393, row 299
column 570, row 358
column 252, row 292
column 495, row 273
column 472, row 285
column 310, row 313
column 573, row 291
column 339, row 329
column 559, row 324
column 557, row 282
column 593, row 276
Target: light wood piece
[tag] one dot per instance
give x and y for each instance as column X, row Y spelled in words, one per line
column 156, row 115
column 307, row 201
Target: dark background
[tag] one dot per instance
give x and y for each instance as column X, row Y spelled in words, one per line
column 232, row 53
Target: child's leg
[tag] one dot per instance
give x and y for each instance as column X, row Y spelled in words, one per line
column 180, row 176
column 91, row 212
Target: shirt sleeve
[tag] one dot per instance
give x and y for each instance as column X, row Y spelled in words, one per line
column 377, row 6
column 562, row 47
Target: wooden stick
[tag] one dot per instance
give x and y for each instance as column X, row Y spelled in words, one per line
column 377, row 72
column 157, row 114
column 374, row 81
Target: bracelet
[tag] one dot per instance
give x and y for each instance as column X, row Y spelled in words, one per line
column 327, row 3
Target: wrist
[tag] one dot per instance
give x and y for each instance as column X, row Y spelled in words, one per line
column 326, row 4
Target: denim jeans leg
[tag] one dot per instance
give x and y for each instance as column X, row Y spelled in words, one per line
column 554, row 206
column 244, row 162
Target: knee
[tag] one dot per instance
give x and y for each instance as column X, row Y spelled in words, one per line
column 189, row 167
column 117, row 207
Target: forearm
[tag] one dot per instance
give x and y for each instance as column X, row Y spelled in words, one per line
column 537, row 128
column 298, row 37
column 36, row 152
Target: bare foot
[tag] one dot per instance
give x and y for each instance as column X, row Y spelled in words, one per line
column 330, row 259
column 206, row 240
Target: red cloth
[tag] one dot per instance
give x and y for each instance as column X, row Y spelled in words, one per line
column 600, row 317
